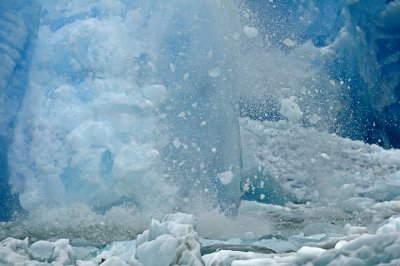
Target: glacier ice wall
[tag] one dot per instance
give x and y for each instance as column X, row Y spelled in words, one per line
column 136, row 102
column 126, row 101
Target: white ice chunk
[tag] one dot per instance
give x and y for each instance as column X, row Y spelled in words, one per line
column 250, row 32
column 214, row 72
column 310, row 252
column 225, row 177
column 228, row 257
column 324, row 156
column 171, row 242
column 291, row 110
column 288, row 42
column 42, row 250
column 62, row 252
column 177, row 143
column 392, row 226
column 158, row 251
column 155, row 93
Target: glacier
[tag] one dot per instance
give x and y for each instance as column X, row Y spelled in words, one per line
column 275, row 125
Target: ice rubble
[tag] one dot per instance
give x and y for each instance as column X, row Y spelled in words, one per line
column 174, row 242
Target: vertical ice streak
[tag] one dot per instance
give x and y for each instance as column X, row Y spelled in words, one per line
column 196, row 61
column 18, row 27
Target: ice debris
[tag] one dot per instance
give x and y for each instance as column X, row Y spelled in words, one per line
column 172, row 242
column 250, row 32
column 291, row 110
column 289, row 42
column 225, row 177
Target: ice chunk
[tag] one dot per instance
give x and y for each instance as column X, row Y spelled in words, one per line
column 172, row 67
column 214, row 72
column 291, row 110
column 289, row 42
column 225, row 177
column 158, row 251
column 177, row 143
column 155, row 93
column 310, row 252
column 227, row 257
column 250, row 32
column 42, row 250
column 392, row 226
column 18, row 251
column 324, row 156
column 172, row 241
